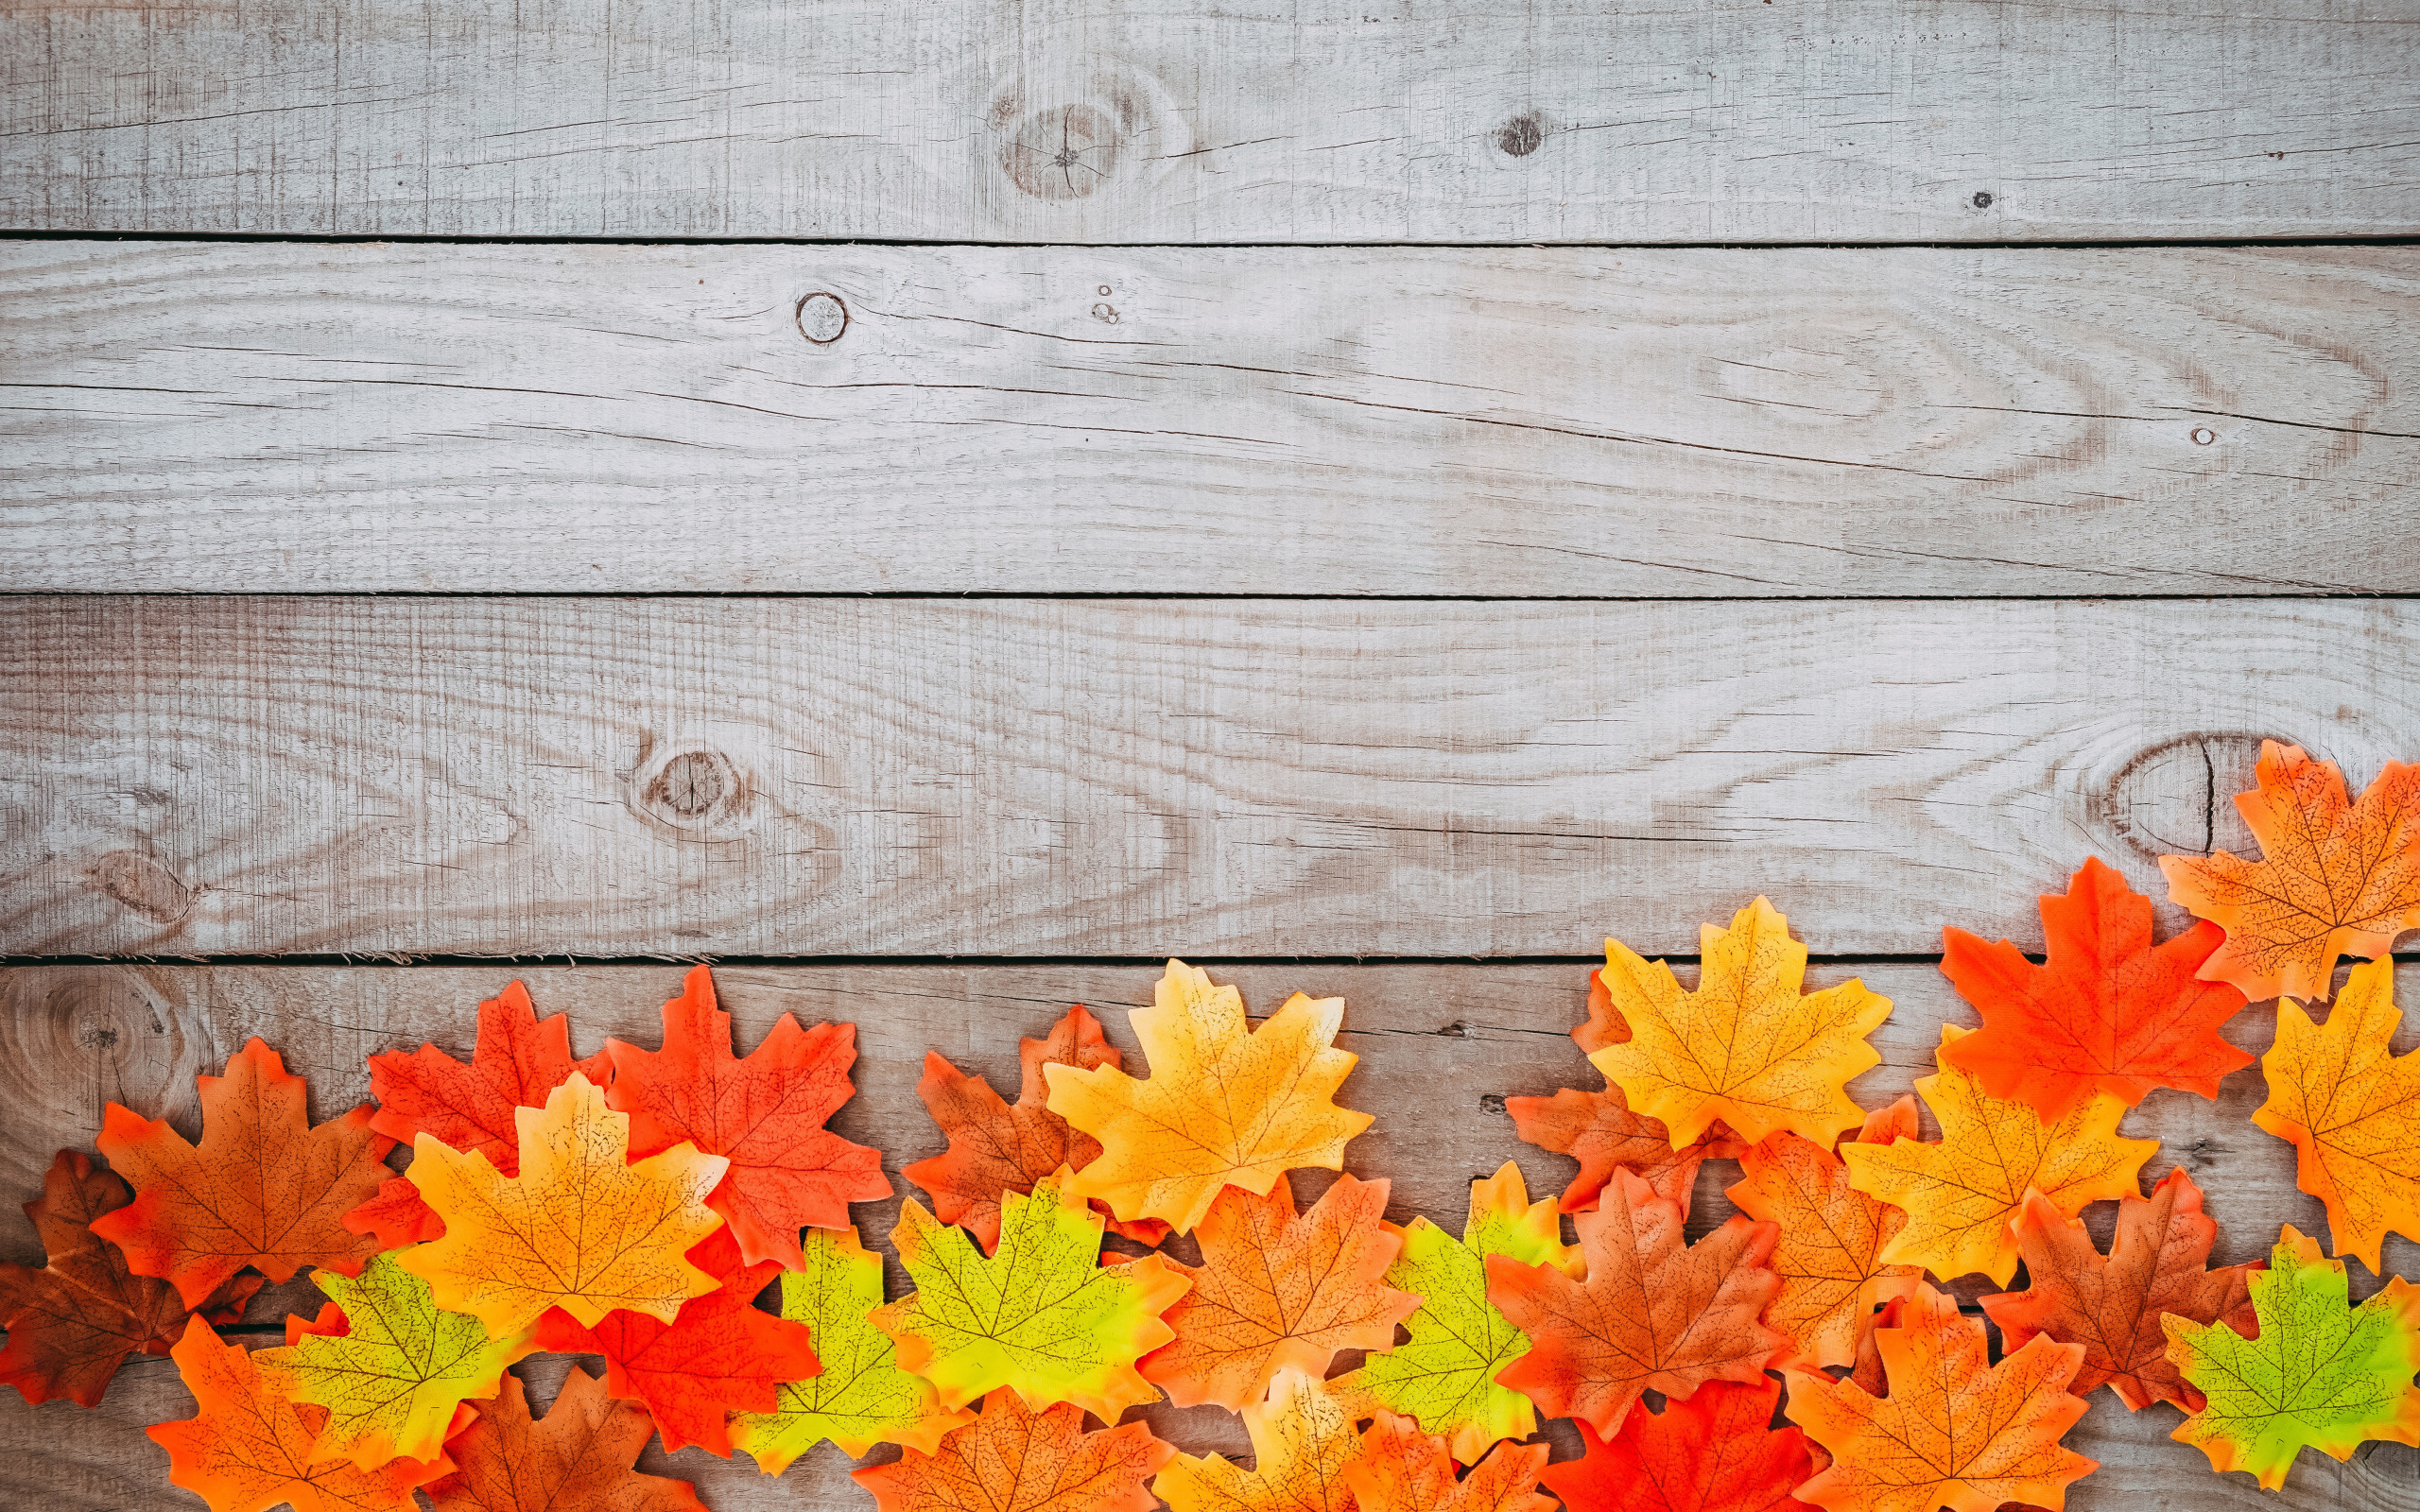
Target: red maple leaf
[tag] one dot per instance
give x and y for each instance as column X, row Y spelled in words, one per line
column 1714, row 1453
column 765, row 1114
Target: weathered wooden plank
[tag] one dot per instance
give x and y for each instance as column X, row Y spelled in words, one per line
column 1158, row 120
column 1669, row 423
column 1445, row 1041
column 1126, row 778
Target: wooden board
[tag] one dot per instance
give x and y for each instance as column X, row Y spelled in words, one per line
column 1163, row 121
column 1130, row 778
column 281, row 417
column 1447, row 1041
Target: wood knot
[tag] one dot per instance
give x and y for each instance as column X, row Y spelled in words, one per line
column 1491, row 1103
column 1522, row 135
column 142, row 884
column 73, row 1038
column 1064, row 152
column 1065, row 123
column 821, row 318
column 2177, row 798
column 693, row 790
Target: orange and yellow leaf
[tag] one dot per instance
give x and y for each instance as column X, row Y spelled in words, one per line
column 2352, row 1108
column 1829, row 1255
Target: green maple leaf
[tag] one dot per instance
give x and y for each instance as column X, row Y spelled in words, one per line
column 392, row 1378
column 2322, row 1373
column 861, row 1398
column 1444, row 1375
column 1041, row 1316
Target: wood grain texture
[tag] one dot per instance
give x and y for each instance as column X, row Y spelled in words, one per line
column 1446, row 1040
column 1166, row 121
column 1071, row 777
column 280, row 417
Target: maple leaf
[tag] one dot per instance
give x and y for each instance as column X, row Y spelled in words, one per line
column 718, row 1355
column 396, row 1216
column 996, row 1146
column 2320, row 1373
column 1400, row 1469
column 392, row 1367
column 1955, row 1431
column 579, row 1455
column 247, row 1448
column 579, row 1228
column 2333, row 878
column 516, row 1061
column 1041, row 1315
column 1963, row 1194
column 1604, row 1024
column 1599, row 1131
column 1302, row 1437
column 860, row 1398
column 2106, row 1010
column 1444, row 1375
column 262, row 1189
column 1224, row 1103
column 1653, row 1314
column 1714, row 1453
column 1274, row 1290
column 1012, row 1459
column 2113, row 1304
column 1745, row 1048
column 764, row 1113
column 2352, row 1108
column 1829, row 1255
column 71, row 1323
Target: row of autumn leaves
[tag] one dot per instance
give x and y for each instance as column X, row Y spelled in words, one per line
column 634, row 1205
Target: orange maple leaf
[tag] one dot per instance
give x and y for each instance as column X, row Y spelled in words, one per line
column 2112, row 1304
column 577, row 1456
column 2334, row 877
column 997, row 1147
column 1955, row 1431
column 1653, row 1314
column 1302, row 1437
column 1829, row 1255
column 2352, row 1108
column 1599, row 1131
column 1014, row 1459
column 1400, row 1469
column 262, row 1188
column 1276, row 1290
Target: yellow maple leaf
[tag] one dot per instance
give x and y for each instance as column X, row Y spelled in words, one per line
column 1745, row 1048
column 1302, row 1437
column 1963, row 1194
column 582, row 1228
column 2352, row 1108
column 1224, row 1103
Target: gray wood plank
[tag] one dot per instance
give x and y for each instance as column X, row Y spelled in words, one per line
column 78, row 1034
column 1070, row 777
column 501, row 419
column 1163, row 121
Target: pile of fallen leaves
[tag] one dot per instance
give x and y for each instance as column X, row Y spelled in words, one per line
column 641, row 1206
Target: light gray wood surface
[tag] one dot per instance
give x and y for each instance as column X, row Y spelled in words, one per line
column 1438, row 1043
column 1152, row 121
column 1071, row 777
column 494, row 418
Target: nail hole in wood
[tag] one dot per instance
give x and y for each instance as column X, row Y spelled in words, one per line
column 1982, row 200
column 2204, row 435
column 821, row 318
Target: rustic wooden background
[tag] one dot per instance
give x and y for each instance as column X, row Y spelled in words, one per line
column 937, row 508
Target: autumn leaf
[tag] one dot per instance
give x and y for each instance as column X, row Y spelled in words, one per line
column 1012, row 1459
column 391, row 1377
column 1274, row 1290
column 396, row 1216
column 1400, row 1469
column 2321, row 1374
column 1599, row 1131
column 718, row 1356
column 860, row 1398
column 517, row 1060
column 1604, row 1024
column 577, row 1456
column 579, row 1228
column 1653, row 1314
column 1444, row 1375
column 1302, row 1437
column 2107, row 1010
column 247, row 1448
column 2334, row 877
column 2352, row 1108
column 1041, row 1315
column 1714, row 1453
column 71, row 1323
column 764, row 1114
column 262, row 1188
column 1745, row 1048
column 1224, row 1103
column 996, row 1146
column 1829, row 1255
column 1963, row 1194
column 1955, row 1431
column 2112, row 1304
